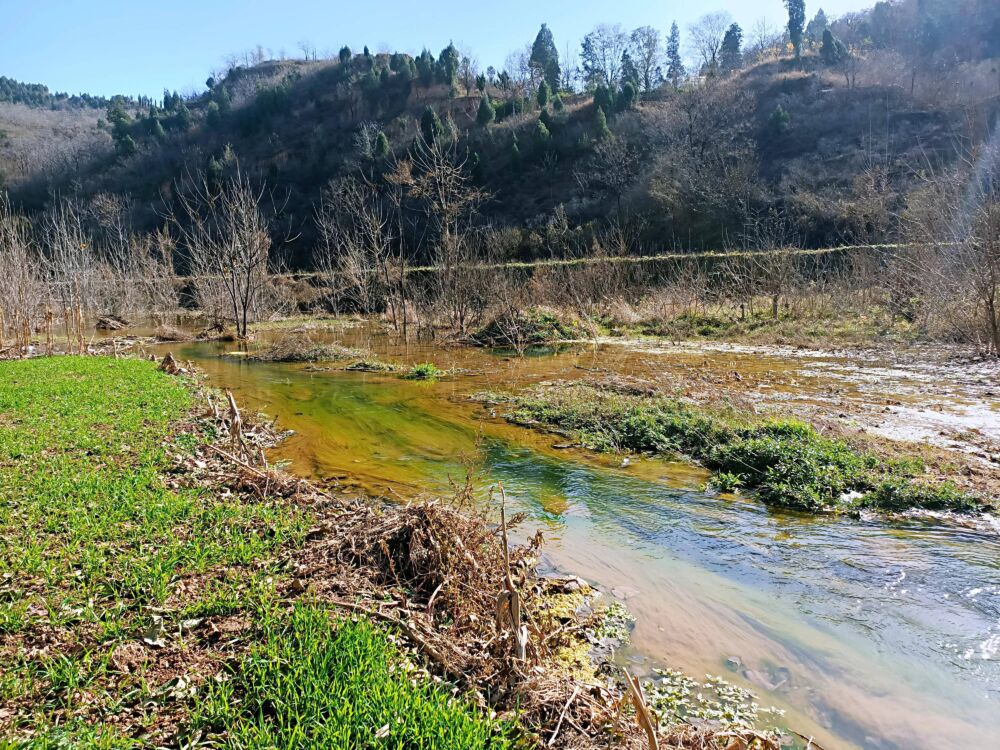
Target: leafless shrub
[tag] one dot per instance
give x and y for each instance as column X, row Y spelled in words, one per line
column 953, row 224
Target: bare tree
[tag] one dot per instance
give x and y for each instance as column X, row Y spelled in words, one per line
column 22, row 291
column 601, row 54
column 953, row 224
column 226, row 237
column 443, row 188
column 764, row 41
column 705, row 38
column 646, row 52
column 355, row 242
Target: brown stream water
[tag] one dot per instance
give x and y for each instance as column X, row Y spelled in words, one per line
column 869, row 634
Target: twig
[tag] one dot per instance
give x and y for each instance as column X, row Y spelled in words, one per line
column 562, row 715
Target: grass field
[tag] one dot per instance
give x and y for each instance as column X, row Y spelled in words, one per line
column 136, row 607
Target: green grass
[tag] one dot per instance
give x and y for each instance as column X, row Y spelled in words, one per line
column 314, row 682
column 783, row 462
column 95, row 537
column 425, row 371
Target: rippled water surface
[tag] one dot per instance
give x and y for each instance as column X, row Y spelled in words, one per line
column 869, row 635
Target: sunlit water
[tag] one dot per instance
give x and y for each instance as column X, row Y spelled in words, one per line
column 869, row 635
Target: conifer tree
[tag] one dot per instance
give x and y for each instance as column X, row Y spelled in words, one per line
column 486, row 113
column 602, row 130
column 675, row 65
column 796, row 23
column 543, row 95
column 430, row 125
column 544, row 58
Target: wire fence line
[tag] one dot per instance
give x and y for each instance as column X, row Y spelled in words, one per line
column 570, row 262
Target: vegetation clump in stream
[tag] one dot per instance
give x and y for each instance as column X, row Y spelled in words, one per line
column 525, row 328
column 300, row 347
column 783, row 462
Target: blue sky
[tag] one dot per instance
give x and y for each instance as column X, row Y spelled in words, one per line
column 142, row 46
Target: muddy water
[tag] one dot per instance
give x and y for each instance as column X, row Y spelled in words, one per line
column 868, row 635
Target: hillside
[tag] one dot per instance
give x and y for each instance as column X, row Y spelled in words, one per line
column 829, row 146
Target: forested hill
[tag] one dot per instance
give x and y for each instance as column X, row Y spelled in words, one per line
column 689, row 137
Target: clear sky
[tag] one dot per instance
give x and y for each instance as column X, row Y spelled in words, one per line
column 141, row 46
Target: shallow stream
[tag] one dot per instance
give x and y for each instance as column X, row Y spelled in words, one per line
column 869, row 635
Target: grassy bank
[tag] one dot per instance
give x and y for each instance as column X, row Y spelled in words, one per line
column 126, row 586
column 783, row 462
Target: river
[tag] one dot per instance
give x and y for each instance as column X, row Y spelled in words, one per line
column 868, row 634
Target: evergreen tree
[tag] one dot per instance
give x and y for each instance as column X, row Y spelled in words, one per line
column 183, row 117
column 213, row 116
column 796, row 23
column 366, row 52
column 816, row 27
column 476, row 168
column 381, row 146
column 543, row 95
column 833, row 50
column 627, row 96
column 430, row 125
column 557, row 103
column 603, row 132
column 213, row 175
column 731, row 54
column 515, row 151
column 397, row 63
column 542, row 136
column 125, row 147
column 544, row 58
column 448, row 64
column 486, row 113
column 156, row 129
column 604, row 98
column 630, row 73
column 425, row 67
column 546, row 119
column 675, row 65
column 481, row 83
column 345, row 55
column 779, row 119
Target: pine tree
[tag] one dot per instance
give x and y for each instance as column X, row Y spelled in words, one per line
column 627, row 96
column 486, row 113
column 603, row 132
column 345, row 55
column 675, row 65
column 630, row 73
column 545, row 58
column 213, row 175
column 381, row 146
column 542, row 135
column 425, row 67
column 448, row 64
column 213, row 116
column 481, row 83
column 430, row 125
column 557, row 103
column 796, row 23
column 731, row 54
column 515, row 151
column 156, row 130
column 476, row 168
column 543, row 95
column 604, row 98
column 833, row 50
column 125, row 147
